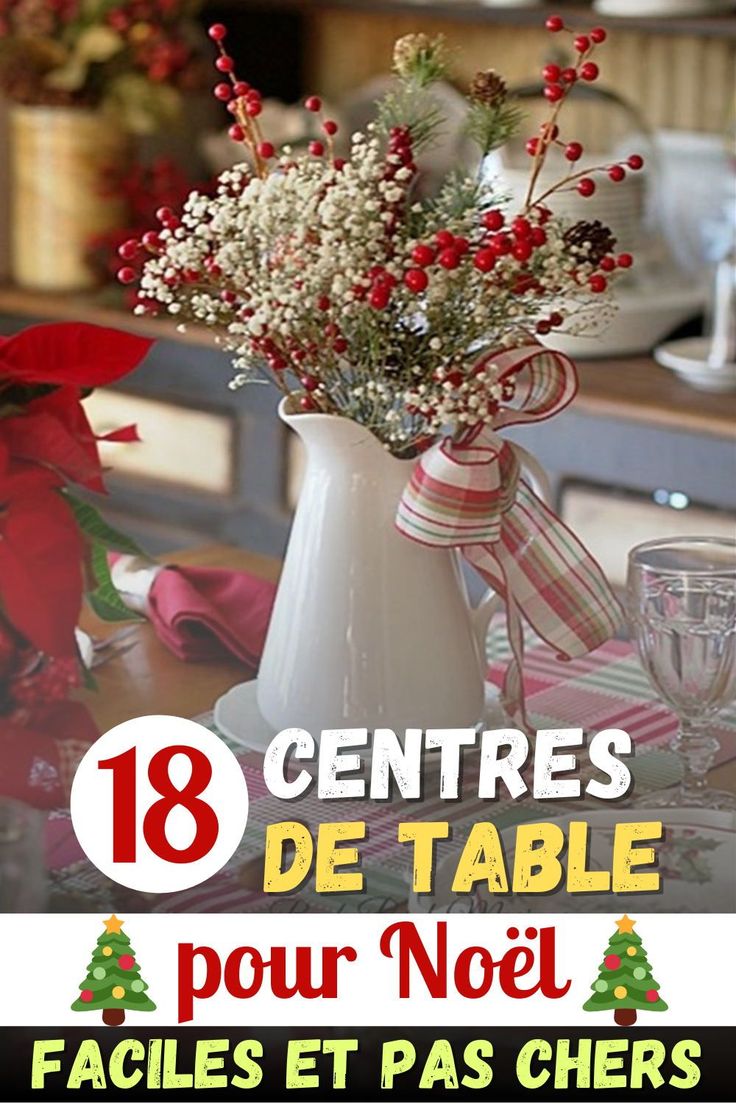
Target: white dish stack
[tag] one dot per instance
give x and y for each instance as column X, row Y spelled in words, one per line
column 662, row 7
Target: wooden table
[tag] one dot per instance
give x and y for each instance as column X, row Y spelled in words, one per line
column 148, row 679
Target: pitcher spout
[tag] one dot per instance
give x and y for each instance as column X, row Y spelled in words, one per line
column 329, row 433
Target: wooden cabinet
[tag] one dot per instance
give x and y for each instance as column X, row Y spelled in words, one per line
column 680, row 71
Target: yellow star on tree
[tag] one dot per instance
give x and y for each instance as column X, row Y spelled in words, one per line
column 113, row 926
column 625, row 925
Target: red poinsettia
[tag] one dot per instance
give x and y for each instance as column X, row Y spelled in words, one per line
column 40, row 753
column 74, row 353
column 54, row 430
column 47, row 443
column 41, row 552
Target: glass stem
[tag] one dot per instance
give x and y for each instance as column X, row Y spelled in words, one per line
column 697, row 752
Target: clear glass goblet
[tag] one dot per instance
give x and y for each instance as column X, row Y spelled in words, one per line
column 682, row 612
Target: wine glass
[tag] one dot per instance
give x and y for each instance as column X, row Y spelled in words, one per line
column 682, row 610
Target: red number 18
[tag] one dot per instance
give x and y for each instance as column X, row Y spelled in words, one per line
column 124, row 805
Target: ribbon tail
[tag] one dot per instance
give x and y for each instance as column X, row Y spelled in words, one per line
column 548, row 579
column 561, row 590
column 468, row 495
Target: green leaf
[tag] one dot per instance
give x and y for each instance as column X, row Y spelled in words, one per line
column 89, row 682
column 99, row 531
column 109, row 611
column 104, row 599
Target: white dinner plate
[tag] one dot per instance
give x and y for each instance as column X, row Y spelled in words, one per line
column 662, row 7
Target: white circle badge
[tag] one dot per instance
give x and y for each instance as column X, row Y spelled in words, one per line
column 159, row 804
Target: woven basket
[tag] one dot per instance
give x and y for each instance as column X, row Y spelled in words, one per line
column 60, row 157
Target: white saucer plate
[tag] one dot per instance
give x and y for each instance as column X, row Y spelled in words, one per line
column 688, row 359
column 238, row 718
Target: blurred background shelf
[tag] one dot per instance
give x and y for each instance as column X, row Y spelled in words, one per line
column 465, row 11
column 98, row 309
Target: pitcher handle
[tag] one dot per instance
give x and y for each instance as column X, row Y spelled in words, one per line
column 490, row 603
column 480, row 618
column 535, row 475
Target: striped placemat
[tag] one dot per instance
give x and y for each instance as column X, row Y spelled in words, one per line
column 607, row 689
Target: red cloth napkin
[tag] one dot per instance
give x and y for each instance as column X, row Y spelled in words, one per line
column 203, row 613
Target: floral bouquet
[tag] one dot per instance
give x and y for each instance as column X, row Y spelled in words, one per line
column 330, row 276
column 53, row 544
column 132, row 56
column 418, row 318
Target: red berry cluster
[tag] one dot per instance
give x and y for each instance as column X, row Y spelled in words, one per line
column 557, row 80
column 145, row 189
column 598, row 281
column 400, row 150
column 399, row 157
column 447, row 251
column 558, row 83
column 149, row 243
column 291, row 354
column 246, row 104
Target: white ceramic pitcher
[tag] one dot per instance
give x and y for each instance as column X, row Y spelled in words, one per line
column 369, row 628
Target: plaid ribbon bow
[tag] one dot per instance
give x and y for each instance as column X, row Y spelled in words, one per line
column 468, row 493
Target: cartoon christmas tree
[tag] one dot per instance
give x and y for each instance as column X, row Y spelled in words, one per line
column 625, row 983
column 113, row 982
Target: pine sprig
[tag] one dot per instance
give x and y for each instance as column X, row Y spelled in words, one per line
column 421, row 59
column 492, row 119
column 419, row 62
column 459, row 195
column 492, row 126
column 411, row 106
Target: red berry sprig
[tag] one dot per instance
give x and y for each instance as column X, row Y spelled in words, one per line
column 329, row 128
column 244, row 102
column 558, row 83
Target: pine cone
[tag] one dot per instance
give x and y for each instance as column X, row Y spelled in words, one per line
column 488, row 88
column 592, row 240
